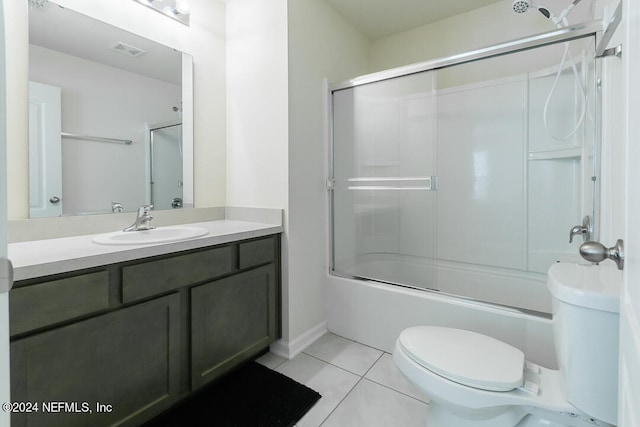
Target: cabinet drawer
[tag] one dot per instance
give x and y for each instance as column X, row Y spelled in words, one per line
column 257, row 252
column 35, row 306
column 155, row 277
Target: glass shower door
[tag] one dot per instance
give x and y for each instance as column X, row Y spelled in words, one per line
column 166, row 167
column 466, row 177
column 385, row 181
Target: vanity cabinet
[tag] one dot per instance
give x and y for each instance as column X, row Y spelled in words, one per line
column 103, row 370
column 118, row 344
column 228, row 321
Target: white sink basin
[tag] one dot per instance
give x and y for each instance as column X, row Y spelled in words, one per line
column 148, row 237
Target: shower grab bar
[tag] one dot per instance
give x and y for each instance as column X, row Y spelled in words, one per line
column 96, row 138
column 432, row 183
column 391, row 178
column 385, row 187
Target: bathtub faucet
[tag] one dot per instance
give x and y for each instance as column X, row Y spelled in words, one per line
column 143, row 219
column 584, row 230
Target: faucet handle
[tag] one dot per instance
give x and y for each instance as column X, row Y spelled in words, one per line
column 584, row 229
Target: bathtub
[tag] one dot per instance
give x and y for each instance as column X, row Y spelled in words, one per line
column 375, row 313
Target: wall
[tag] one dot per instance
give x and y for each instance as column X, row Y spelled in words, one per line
column 5, row 393
column 204, row 39
column 257, row 105
column 277, row 124
column 482, row 27
column 322, row 45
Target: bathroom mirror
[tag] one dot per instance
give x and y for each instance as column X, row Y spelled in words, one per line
column 96, row 93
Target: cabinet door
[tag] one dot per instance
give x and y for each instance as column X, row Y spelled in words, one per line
column 119, row 368
column 232, row 319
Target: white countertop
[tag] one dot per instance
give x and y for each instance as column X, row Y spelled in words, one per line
column 45, row 257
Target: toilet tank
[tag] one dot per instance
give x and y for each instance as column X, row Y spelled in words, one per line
column 586, row 307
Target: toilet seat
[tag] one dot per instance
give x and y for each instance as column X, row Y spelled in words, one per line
column 465, row 357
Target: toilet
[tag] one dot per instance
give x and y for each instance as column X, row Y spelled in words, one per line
column 473, row 380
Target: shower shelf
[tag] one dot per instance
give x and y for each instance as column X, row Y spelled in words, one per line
column 566, row 153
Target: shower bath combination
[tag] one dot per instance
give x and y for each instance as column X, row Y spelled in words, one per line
column 477, row 127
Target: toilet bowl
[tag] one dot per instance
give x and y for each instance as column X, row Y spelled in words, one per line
column 473, row 380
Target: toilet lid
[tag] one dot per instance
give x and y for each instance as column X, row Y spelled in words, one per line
column 466, row 357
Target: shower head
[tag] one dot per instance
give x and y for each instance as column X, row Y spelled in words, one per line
column 522, row 6
column 36, row 4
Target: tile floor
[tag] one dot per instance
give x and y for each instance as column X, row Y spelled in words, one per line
column 360, row 385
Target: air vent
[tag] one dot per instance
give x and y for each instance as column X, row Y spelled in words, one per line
column 127, row 49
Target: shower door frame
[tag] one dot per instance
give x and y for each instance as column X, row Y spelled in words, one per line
column 150, row 129
column 594, row 29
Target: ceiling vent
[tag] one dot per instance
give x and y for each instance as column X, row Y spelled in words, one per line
column 128, row 50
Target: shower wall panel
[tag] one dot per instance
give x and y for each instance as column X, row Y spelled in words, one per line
column 481, row 202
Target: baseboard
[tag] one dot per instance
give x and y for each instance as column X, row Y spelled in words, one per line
column 290, row 349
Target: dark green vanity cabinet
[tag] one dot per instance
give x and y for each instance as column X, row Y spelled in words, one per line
column 126, row 360
column 228, row 321
column 118, row 344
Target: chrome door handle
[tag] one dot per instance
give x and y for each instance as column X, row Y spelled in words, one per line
column 597, row 252
column 54, row 200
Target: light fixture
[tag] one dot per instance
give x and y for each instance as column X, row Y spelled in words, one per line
column 175, row 9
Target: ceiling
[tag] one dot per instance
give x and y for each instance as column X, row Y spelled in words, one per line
column 380, row 18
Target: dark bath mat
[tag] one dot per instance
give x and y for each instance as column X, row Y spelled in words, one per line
column 252, row 396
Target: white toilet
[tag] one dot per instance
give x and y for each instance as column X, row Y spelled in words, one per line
column 475, row 380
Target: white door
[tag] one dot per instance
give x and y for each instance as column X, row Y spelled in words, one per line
column 45, row 151
column 629, row 415
column 4, row 296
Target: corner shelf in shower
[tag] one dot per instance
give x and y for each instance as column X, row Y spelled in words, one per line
column 566, row 153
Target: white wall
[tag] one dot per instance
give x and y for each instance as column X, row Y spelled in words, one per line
column 482, row 27
column 257, row 104
column 322, row 45
column 5, row 392
column 277, row 124
column 204, row 39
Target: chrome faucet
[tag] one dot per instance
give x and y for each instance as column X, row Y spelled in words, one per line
column 143, row 220
column 584, row 230
column 117, row 207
